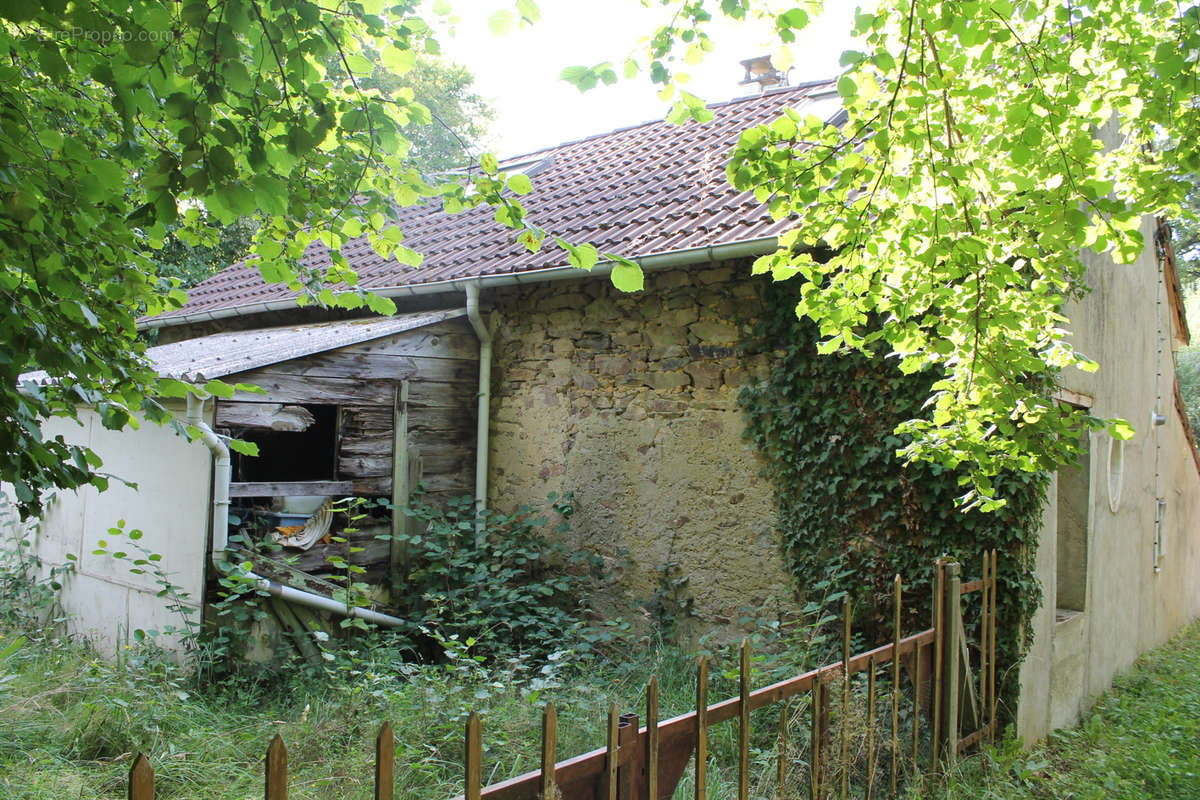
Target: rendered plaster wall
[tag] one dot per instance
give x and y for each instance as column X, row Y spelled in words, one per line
column 630, row 402
column 103, row 599
column 1132, row 601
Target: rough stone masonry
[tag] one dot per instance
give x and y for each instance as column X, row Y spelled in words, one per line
column 630, row 402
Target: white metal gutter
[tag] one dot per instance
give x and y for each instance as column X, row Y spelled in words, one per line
column 675, row 258
column 484, row 403
column 219, row 531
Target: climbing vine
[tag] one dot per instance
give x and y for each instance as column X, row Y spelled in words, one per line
column 849, row 509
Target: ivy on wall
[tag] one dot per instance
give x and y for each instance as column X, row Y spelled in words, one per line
column 849, row 510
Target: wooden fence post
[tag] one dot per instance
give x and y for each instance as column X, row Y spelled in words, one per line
column 141, row 779
column 991, row 648
column 939, row 633
column 702, row 729
column 385, row 759
column 549, row 752
column 612, row 752
column 473, row 763
column 897, row 620
column 276, row 770
column 743, row 790
column 951, row 629
column 844, row 722
column 652, row 739
column 629, row 758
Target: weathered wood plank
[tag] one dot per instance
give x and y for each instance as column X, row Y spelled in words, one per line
column 262, row 416
column 447, row 461
column 380, row 442
column 280, row 388
column 315, row 560
column 349, row 364
column 445, row 340
column 432, row 419
column 359, row 487
column 401, row 489
column 303, row 389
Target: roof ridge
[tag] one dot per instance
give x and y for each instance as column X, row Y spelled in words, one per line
column 626, row 128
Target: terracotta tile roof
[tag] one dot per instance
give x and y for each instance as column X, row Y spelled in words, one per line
column 652, row 188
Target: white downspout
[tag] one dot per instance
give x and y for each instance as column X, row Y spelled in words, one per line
column 485, row 393
column 219, row 534
column 222, row 475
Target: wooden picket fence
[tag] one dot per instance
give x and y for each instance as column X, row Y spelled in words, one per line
column 647, row 762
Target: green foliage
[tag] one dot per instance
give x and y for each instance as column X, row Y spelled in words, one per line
column 982, row 148
column 192, row 256
column 1187, row 369
column 1140, row 741
column 72, row 719
column 851, row 512
column 138, row 122
column 503, row 588
column 27, row 597
column 459, row 115
column 1186, row 235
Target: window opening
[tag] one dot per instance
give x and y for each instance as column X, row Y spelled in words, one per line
column 1074, row 502
column 306, row 455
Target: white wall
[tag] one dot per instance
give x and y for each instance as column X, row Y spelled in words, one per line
column 170, row 505
column 1131, row 607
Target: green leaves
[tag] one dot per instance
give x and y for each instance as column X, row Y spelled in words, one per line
column 129, row 147
column 520, row 184
column 626, row 275
column 956, row 198
column 243, row 447
column 584, row 78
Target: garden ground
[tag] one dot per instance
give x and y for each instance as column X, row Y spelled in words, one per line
column 72, row 721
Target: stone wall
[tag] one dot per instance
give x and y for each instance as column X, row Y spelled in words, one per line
column 630, row 402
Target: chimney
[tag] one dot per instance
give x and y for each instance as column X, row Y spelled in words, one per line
column 760, row 70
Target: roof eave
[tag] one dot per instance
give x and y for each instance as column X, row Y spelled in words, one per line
column 656, row 261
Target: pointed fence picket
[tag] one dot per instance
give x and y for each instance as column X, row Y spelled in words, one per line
column 648, row 762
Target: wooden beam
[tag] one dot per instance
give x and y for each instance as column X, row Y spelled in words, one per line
column 1077, row 399
column 356, row 488
column 398, row 555
column 263, row 416
column 348, row 364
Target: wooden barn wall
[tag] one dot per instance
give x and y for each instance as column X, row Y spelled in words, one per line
column 440, row 363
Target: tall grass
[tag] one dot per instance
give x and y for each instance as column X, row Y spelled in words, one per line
column 71, row 721
column 1140, row 741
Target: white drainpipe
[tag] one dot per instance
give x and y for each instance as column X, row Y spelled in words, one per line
column 219, row 534
column 222, row 475
column 485, row 393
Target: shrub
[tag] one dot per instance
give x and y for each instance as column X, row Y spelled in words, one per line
column 502, row 587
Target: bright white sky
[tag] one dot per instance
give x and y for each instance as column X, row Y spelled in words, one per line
column 519, row 72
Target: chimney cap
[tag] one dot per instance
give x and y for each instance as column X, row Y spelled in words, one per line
column 760, row 70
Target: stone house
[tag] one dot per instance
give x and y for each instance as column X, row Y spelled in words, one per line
column 510, row 375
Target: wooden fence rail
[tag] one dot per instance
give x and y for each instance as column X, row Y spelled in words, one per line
column 647, row 762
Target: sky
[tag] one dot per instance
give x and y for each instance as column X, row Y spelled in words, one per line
column 518, row 72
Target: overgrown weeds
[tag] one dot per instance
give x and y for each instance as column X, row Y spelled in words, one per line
column 73, row 720
column 1140, row 741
